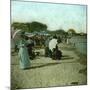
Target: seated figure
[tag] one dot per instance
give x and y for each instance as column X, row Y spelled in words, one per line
column 56, row 54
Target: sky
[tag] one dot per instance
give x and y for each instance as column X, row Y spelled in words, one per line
column 55, row 16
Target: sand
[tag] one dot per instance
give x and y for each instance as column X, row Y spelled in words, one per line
column 45, row 72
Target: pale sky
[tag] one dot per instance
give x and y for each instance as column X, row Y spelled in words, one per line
column 55, row 16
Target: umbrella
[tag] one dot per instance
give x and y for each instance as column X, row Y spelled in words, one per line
column 17, row 33
column 16, row 36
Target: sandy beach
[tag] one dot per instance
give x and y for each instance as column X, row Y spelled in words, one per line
column 45, row 72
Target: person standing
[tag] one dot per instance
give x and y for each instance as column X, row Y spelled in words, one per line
column 23, row 53
column 30, row 48
column 47, row 53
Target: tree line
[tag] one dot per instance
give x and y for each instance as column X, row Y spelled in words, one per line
column 38, row 27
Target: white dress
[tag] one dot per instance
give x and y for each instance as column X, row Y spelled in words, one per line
column 52, row 44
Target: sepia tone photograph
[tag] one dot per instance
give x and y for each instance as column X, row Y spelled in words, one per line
column 48, row 44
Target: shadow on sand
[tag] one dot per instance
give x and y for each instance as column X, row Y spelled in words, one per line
column 49, row 64
column 65, row 57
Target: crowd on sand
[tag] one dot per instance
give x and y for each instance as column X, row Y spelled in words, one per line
column 26, row 45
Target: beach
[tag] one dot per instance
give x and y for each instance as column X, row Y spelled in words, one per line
column 45, row 72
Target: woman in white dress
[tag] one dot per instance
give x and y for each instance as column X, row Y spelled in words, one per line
column 53, row 43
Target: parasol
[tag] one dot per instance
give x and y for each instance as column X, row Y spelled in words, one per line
column 16, row 36
column 17, row 33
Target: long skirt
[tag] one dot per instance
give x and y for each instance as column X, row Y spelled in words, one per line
column 24, row 58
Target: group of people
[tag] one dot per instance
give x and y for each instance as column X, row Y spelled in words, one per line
column 26, row 53
column 51, row 49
